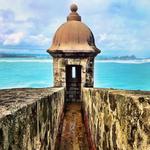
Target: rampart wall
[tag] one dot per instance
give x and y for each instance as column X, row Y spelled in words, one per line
column 117, row 119
column 114, row 119
column 29, row 118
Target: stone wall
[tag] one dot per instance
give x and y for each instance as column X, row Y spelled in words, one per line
column 87, row 70
column 116, row 119
column 29, row 118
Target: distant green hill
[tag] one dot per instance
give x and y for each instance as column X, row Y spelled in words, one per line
column 24, row 55
column 132, row 57
column 98, row 57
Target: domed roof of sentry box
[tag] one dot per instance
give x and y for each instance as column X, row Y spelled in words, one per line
column 73, row 36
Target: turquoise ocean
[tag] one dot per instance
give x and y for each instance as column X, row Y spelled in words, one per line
column 38, row 72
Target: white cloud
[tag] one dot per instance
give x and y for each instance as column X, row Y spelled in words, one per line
column 14, row 38
column 116, row 24
column 102, row 37
column 39, row 39
column 145, row 4
column 93, row 5
column 17, row 6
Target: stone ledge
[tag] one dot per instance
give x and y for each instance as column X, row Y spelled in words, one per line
column 122, row 91
column 141, row 96
column 29, row 118
column 117, row 119
column 12, row 100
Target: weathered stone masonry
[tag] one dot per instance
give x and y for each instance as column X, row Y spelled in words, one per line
column 29, row 118
column 87, row 70
column 117, row 119
column 73, row 92
column 114, row 119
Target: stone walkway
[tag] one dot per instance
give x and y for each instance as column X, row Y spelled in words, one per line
column 73, row 135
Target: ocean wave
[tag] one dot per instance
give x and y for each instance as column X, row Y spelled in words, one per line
column 35, row 84
column 142, row 61
column 50, row 61
column 25, row 60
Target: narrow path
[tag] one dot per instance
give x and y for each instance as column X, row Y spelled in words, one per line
column 73, row 135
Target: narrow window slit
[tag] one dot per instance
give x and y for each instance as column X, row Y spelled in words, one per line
column 73, row 72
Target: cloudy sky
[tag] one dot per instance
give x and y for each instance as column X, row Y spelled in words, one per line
column 121, row 27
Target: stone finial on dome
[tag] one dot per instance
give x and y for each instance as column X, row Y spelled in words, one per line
column 73, row 7
column 73, row 36
column 73, row 16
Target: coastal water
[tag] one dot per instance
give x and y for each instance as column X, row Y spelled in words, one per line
column 31, row 72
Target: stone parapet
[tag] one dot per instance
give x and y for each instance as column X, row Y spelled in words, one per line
column 117, row 119
column 29, row 118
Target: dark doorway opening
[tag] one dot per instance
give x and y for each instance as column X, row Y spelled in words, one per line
column 73, row 83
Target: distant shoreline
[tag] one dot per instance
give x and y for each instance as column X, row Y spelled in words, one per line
column 98, row 58
column 41, row 53
column 50, row 60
